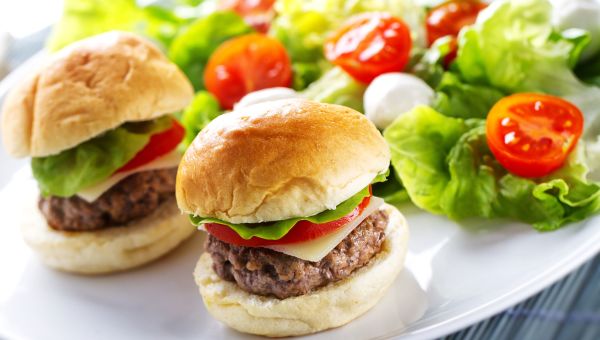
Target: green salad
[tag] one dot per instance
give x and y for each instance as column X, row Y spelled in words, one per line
column 490, row 111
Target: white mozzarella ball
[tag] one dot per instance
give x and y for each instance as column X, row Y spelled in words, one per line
column 392, row 94
column 267, row 95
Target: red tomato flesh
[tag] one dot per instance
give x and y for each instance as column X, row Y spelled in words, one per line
column 257, row 13
column 300, row 232
column 531, row 135
column 369, row 45
column 246, row 64
column 450, row 17
column 159, row 145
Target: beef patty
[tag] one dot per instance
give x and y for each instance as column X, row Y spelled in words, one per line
column 133, row 197
column 267, row 272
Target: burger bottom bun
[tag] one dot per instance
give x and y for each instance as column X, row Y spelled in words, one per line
column 331, row 306
column 106, row 250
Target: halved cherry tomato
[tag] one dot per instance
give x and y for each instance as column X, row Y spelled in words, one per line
column 160, row 144
column 302, row 231
column 449, row 17
column 531, row 134
column 370, row 44
column 257, row 13
column 245, row 64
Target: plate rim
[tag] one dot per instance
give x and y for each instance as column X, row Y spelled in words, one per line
column 516, row 295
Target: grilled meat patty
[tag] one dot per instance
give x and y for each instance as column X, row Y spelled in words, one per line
column 135, row 196
column 267, row 272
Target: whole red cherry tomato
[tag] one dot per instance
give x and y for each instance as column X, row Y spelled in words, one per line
column 450, row 17
column 370, row 44
column 245, row 64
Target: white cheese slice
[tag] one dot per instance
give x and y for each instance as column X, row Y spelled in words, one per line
column 315, row 250
column 92, row 193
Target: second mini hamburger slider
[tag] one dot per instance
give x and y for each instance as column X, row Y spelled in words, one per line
column 97, row 121
column 297, row 244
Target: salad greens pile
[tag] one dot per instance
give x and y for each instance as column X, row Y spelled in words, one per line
column 440, row 156
column 441, row 153
column 447, row 168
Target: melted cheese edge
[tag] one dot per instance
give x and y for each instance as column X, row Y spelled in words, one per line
column 170, row 160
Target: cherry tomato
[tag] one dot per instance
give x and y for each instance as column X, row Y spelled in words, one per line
column 449, row 17
column 245, row 64
column 531, row 135
column 369, row 45
column 257, row 13
column 160, row 144
column 302, row 231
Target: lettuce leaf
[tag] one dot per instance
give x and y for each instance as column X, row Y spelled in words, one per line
column 337, row 87
column 84, row 18
column 429, row 63
column 455, row 98
column 447, row 168
column 514, row 47
column 91, row 162
column 203, row 109
column 391, row 190
column 192, row 47
column 278, row 229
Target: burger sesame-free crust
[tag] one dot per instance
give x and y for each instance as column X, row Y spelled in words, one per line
column 89, row 87
column 279, row 160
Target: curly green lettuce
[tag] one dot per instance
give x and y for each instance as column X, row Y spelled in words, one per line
column 85, row 18
column 203, row 109
column 337, row 87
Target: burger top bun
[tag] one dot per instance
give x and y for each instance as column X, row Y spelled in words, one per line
column 87, row 88
column 279, row 160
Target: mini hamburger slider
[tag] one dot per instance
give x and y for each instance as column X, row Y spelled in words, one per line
column 296, row 242
column 96, row 120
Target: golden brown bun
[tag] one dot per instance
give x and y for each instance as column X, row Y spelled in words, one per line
column 89, row 87
column 331, row 306
column 106, row 250
column 278, row 160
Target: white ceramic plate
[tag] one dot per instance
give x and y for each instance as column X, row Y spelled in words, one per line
column 454, row 276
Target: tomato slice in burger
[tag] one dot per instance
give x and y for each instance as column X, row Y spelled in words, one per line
column 369, row 45
column 159, row 145
column 531, row 135
column 302, row 231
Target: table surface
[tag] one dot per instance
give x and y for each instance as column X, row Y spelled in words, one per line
column 569, row 309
